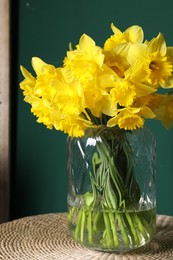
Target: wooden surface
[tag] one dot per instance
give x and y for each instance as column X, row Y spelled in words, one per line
column 46, row 237
column 4, row 110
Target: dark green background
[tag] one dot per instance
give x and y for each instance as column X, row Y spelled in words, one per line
column 44, row 29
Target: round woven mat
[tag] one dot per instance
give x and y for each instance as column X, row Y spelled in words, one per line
column 46, row 237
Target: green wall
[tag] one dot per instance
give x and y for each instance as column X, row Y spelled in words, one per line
column 44, row 29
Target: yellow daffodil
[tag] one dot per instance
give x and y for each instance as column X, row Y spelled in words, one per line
column 127, row 119
column 164, row 112
column 150, row 63
column 73, row 125
column 117, row 59
column 42, row 110
column 169, row 82
column 123, row 93
column 84, row 61
column 116, row 48
column 117, row 85
column 132, row 34
column 131, row 118
column 28, row 84
column 153, row 101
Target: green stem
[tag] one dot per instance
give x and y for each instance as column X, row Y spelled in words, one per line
column 112, row 170
column 132, row 228
column 78, row 224
column 140, row 226
column 123, row 229
column 83, row 221
column 146, row 218
column 109, row 236
column 89, row 225
column 71, row 214
column 113, row 227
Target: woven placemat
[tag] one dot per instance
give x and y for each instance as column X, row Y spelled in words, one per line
column 46, row 237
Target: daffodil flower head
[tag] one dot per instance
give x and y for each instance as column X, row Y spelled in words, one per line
column 132, row 34
column 123, row 93
column 164, row 112
column 85, row 60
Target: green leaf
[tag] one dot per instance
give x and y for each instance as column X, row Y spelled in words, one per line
column 109, row 194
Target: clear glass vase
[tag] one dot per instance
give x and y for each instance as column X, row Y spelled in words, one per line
column 111, row 188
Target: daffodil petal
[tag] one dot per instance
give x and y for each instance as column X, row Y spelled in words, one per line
column 147, row 112
column 134, row 34
column 157, row 44
column 26, row 73
column 168, row 83
column 170, row 52
column 115, row 29
column 143, row 90
column 137, row 52
column 38, row 65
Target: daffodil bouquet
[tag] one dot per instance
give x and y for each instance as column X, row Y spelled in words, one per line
column 114, row 87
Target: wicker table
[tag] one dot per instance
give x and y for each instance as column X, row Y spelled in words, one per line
column 46, row 237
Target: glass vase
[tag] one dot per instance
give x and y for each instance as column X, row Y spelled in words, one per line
column 111, row 188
